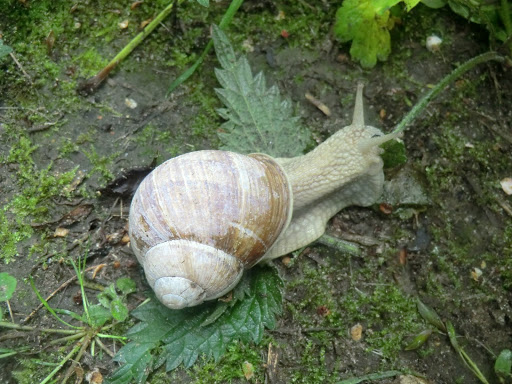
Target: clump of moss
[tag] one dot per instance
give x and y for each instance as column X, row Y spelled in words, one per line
column 33, row 201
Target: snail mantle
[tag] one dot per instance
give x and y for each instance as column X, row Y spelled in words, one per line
column 198, row 220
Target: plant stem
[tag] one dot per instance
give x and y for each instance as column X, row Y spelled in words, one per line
column 61, row 363
column 83, row 344
column 505, row 18
column 92, row 83
column 455, row 74
column 340, row 245
column 67, row 338
column 226, row 19
column 46, row 330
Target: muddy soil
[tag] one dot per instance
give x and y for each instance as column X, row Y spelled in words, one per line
column 445, row 240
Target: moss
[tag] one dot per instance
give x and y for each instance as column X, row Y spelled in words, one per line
column 32, row 202
column 230, row 367
column 312, row 367
column 101, row 164
column 388, row 316
column 31, row 371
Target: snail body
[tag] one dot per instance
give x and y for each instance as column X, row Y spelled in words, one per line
column 198, row 220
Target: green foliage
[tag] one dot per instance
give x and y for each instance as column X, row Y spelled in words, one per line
column 503, row 366
column 257, row 119
column 494, row 15
column 39, row 188
column 4, row 49
column 204, row 3
column 367, row 24
column 394, row 153
column 7, row 286
column 181, row 336
column 115, row 303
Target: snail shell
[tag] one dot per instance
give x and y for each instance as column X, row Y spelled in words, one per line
column 198, row 220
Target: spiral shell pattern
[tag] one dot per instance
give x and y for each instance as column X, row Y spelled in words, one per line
column 222, row 209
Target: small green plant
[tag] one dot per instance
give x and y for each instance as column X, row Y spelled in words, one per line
column 367, row 23
column 503, row 362
column 7, row 287
column 97, row 320
column 177, row 337
column 503, row 366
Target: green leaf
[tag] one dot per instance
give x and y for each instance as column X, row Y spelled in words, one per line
column 367, row 24
column 7, row 286
column 394, row 153
column 181, row 337
column 430, row 315
column 118, row 310
column 104, row 299
column 257, row 118
column 420, row 339
column 434, row 3
column 4, row 49
column 204, row 3
column 125, row 285
column 98, row 315
column 503, row 365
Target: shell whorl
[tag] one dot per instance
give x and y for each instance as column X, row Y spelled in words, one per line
column 207, row 205
column 191, row 274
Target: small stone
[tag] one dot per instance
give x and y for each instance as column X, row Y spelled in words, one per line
column 61, row 232
column 130, row 103
column 434, row 43
column 123, row 24
column 506, row 185
column 356, row 332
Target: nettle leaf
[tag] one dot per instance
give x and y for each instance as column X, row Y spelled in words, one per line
column 367, row 24
column 174, row 337
column 257, row 118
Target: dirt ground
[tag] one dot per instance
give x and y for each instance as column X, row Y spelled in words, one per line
column 442, row 232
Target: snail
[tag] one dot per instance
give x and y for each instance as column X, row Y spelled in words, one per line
column 199, row 219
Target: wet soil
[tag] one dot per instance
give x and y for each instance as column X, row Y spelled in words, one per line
column 456, row 218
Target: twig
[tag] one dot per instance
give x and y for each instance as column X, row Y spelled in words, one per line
column 10, row 310
column 20, row 67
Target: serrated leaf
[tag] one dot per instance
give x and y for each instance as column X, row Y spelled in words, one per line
column 258, row 119
column 181, row 336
